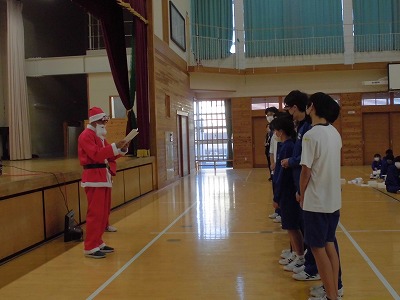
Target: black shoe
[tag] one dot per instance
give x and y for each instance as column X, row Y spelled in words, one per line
column 97, row 254
column 270, row 179
column 107, row 249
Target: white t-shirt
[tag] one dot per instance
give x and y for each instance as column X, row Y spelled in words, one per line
column 321, row 153
column 274, row 146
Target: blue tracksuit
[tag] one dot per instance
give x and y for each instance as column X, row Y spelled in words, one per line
column 294, row 161
column 376, row 165
column 393, row 179
column 385, row 166
column 283, row 181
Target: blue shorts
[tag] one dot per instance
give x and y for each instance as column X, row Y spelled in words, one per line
column 320, row 228
column 291, row 214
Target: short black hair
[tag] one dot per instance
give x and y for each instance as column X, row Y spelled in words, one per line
column 285, row 123
column 389, row 151
column 377, row 155
column 272, row 109
column 297, row 98
column 325, row 106
column 397, row 159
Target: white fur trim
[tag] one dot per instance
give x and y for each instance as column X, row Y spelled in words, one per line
column 115, row 149
column 91, row 251
column 96, row 184
column 96, row 117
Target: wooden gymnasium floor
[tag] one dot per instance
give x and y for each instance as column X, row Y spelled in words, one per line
column 208, row 237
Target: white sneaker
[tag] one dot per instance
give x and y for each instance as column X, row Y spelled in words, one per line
column 286, row 253
column 298, row 262
column 286, row 261
column 273, row 216
column 110, row 228
column 299, row 269
column 318, row 298
column 315, row 287
column 304, row 276
column 320, row 292
column 278, row 219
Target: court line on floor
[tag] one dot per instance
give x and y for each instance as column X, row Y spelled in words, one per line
column 127, row 264
column 370, row 263
column 390, row 196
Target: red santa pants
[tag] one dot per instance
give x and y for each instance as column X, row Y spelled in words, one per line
column 99, row 201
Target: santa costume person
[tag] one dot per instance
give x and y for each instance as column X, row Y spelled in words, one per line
column 98, row 160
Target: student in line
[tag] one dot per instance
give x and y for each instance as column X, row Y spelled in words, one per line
column 285, row 191
column 271, row 113
column 393, row 177
column 295, row 104
column 320, row 190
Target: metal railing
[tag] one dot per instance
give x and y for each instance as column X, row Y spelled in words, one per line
column 271, row 47
column 257, row 48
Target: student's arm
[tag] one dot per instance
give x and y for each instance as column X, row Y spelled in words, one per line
column 271, row 157
column 305, row 176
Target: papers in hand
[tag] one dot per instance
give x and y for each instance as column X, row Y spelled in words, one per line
column 131, row 135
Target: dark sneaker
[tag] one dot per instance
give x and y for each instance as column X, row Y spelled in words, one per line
column 107, row 249
column 97, row 254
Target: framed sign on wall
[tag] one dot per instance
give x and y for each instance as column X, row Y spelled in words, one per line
column 177, row 27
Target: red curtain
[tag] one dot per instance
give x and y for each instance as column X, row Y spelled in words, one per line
column 142, row 95
column 110, row 14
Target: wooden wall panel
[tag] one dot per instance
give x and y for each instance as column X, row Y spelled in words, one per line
column 117, row 192
column 18, row 233
column 146, row 178
column 242, row 133
column 116, row 129
column 172, row 80
column 132, row 184
column 55, row 209
column 351, row 129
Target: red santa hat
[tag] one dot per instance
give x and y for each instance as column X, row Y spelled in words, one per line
column 95, row 114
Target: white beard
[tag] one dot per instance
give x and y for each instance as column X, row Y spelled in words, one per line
column 101, row 131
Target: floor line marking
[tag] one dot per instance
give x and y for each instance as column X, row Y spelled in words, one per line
column 390, row 196
column 127, row 264
column 371, row 264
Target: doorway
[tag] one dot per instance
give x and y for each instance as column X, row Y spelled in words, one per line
column 183, row 144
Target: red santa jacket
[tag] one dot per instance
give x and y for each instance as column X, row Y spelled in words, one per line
column 93, row 154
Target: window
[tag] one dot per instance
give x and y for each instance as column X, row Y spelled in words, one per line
column 375, row 99
column 263, row 103
column 396, row 98
column 211, row 134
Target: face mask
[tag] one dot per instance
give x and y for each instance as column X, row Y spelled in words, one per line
column 101, row 131
column 397, row 164
column 389, row 161
column 270, row 118
column 376, row 158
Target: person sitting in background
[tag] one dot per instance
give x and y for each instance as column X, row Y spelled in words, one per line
column 393, row 177
column 376, row 166
column 386, row 162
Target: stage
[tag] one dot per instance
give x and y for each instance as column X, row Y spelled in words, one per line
column 36, row 194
